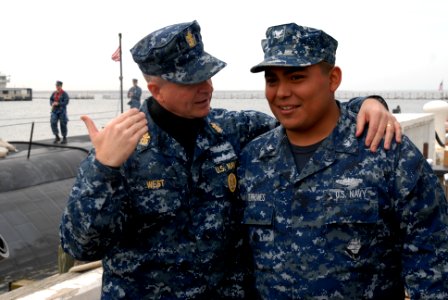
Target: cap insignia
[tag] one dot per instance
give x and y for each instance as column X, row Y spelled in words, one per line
column 190, row 39
column 278, row 34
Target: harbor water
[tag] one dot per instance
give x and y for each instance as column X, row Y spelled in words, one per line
column 19, row 119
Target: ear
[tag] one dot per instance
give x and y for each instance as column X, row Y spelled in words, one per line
column 335, row 78
column 154, row 89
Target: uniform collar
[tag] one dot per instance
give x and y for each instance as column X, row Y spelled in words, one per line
column 342, row 139
column 209, row 134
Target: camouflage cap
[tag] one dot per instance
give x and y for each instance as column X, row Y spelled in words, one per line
column 291, row 45
column 176, row 53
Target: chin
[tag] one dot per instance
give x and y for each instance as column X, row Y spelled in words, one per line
column 201, row 114
column 291, row 125
column 206, row 111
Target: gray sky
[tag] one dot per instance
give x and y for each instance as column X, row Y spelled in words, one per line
column 383, row 44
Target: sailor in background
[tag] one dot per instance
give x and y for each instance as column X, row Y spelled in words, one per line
column 59, row 101
column 134, row 93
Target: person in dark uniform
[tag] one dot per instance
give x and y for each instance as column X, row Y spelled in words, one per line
column 58, row 101
column 134, row 94
column 328, row 219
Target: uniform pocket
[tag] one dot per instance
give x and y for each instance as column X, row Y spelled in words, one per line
column 220, row 178
column 258, row 216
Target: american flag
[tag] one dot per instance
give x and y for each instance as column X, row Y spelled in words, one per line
column 116, row 56
column 441, row 86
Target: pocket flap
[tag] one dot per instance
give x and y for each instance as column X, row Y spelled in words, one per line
column 258, row 213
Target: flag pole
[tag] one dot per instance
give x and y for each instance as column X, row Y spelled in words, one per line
column 121, row 73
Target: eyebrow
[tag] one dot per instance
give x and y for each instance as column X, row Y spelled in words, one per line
column 295, row 69
column 286, row 71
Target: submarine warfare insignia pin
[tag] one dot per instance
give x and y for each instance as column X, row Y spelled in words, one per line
column 353, row 248
column 231, row 180
column 144, row 140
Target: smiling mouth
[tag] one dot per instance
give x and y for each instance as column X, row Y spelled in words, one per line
column 288, row 107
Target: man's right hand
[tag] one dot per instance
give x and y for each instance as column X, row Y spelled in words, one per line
column 118, row 139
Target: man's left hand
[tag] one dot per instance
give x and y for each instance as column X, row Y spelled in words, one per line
column 381, row 124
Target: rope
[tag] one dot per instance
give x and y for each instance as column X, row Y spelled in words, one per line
column 50, row 145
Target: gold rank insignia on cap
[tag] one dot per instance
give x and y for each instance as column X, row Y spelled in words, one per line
column 190, row 39
column 216, row 127
column 144, row 140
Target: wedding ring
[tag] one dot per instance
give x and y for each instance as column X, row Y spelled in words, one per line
column 388, row 125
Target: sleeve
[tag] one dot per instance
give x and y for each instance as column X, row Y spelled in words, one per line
column 65, row 99
column 96, row 211
column 354, row 104
column 138, row 93
column 423, row 213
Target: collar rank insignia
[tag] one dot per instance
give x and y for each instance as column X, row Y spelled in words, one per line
column 144, row 140
column 216, row 127
column 190, row 39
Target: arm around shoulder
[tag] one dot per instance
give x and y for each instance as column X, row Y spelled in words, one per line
column 354, row 104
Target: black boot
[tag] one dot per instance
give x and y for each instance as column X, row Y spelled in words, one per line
column 56, row 140
column 64, row 140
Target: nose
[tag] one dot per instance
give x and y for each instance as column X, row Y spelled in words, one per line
column 283, row 90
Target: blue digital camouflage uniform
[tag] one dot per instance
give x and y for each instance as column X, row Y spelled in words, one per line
column 176, row 53
column 292, row 45
column 163, row 230
column 351, row 225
